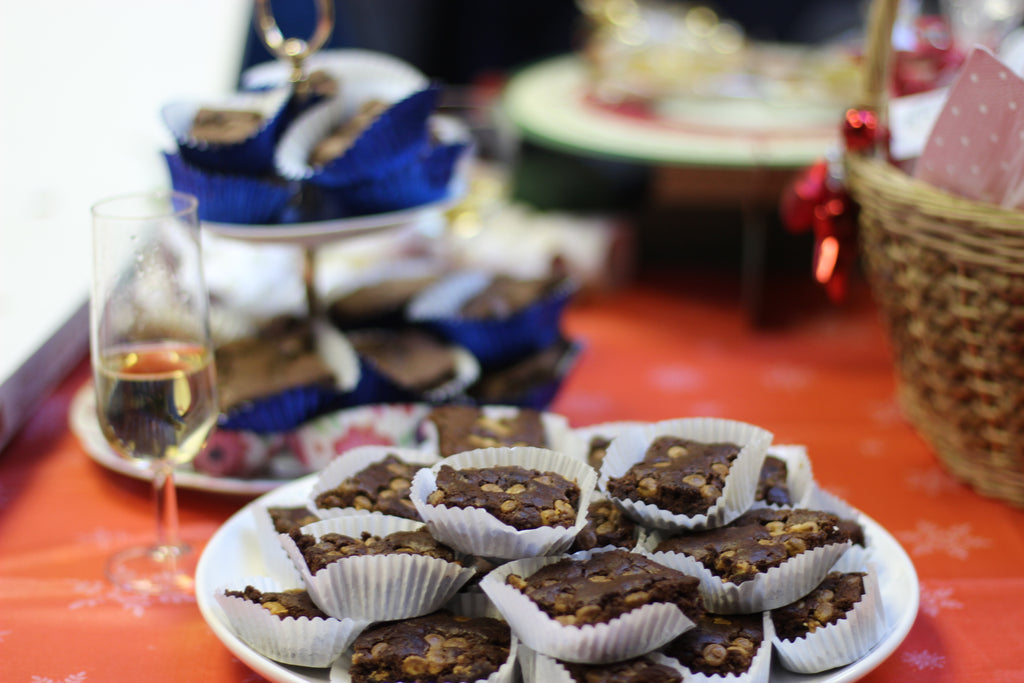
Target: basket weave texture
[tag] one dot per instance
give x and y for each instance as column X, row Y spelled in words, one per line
column 948, row 276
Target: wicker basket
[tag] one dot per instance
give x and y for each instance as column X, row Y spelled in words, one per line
column 948, row 276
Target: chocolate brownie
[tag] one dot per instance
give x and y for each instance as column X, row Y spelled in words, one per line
column 719, row 644
column 287, row 518
column 464, row 428
column 772, row 483
column 596, row 450
column 607, row 585
column 507, row 384
column 520, row 497
column 637, row 670
column 679, row 475
column 829, row 602
column 409, row 357
column 377, row 304
column 331, row 547
column 281, row 356
column 340, row 139
column 435, row 647
column 606, row 524
column 225, row 126
column 505, row 295
column 294, row 602
column 756, row 541
column 381, row 487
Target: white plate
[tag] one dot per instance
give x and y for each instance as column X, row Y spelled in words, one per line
column 315, row 233
column 85, row 426
column 232, row 553
column 396, row 423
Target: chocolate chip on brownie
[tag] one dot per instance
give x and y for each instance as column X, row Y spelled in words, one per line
column 719, row 644
column 520, row 497
column 435, row 647
column 773, row 482
column 606, row 585
column 679, row 475
column 829, row 602
column 381, row 487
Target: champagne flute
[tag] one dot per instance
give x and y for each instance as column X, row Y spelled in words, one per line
column 152, row 361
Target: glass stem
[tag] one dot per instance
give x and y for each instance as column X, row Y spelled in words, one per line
column 166, row 500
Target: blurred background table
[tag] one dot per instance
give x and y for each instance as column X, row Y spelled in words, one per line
column 701, row 153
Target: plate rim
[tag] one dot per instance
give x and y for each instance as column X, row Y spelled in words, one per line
column 281, row 673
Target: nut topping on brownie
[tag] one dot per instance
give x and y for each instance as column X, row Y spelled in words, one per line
column 465, row 428
column 719, row 644
column 434, row 647
column 605, row 586
column 756, row 541
column 381, row 487
column 606, row 525
column 637, row 670
column 679, row 475
column 833, row 598
column 773, row 483
column 294, row 602
column 331, row 547
column 520, row 497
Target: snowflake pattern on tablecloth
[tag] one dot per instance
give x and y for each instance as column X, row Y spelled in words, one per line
column 885, row 413
column 787, row 377
column 932, row 481
column 924, row 659
column 99, row 593
column 104, row 538
column 956, row 541
column 935, row 599
column 676, row 378
column 4, row 634
column 872, row 447
column 73, row 678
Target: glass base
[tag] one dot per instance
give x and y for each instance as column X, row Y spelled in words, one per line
column 154, row 570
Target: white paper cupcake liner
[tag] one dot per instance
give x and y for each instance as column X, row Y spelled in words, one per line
column 859, row 555
column 377, row 587
column 631, row 446
column 842, row 642
column 773, row 588
column 277, row 564
column 317, row 442
column 351, row 463
column 604, row 430
column 313, row 642
column 557, row 432
column 629, row 635
column 506, row 673
column 178, row 116
column 799, row 477
column 477, row 532
column 758, row 672
column 337, row 353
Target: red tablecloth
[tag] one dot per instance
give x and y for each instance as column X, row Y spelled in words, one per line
column 672, row 348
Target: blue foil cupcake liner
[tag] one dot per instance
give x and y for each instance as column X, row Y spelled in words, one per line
column 421, row 181
column 396, row 137
column 376, row 387
column 494, row 341
column 539, row 395
column 284, row 411
column 225, row 198
column 253, row 156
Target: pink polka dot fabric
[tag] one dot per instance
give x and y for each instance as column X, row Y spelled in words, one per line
column 976, row 148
